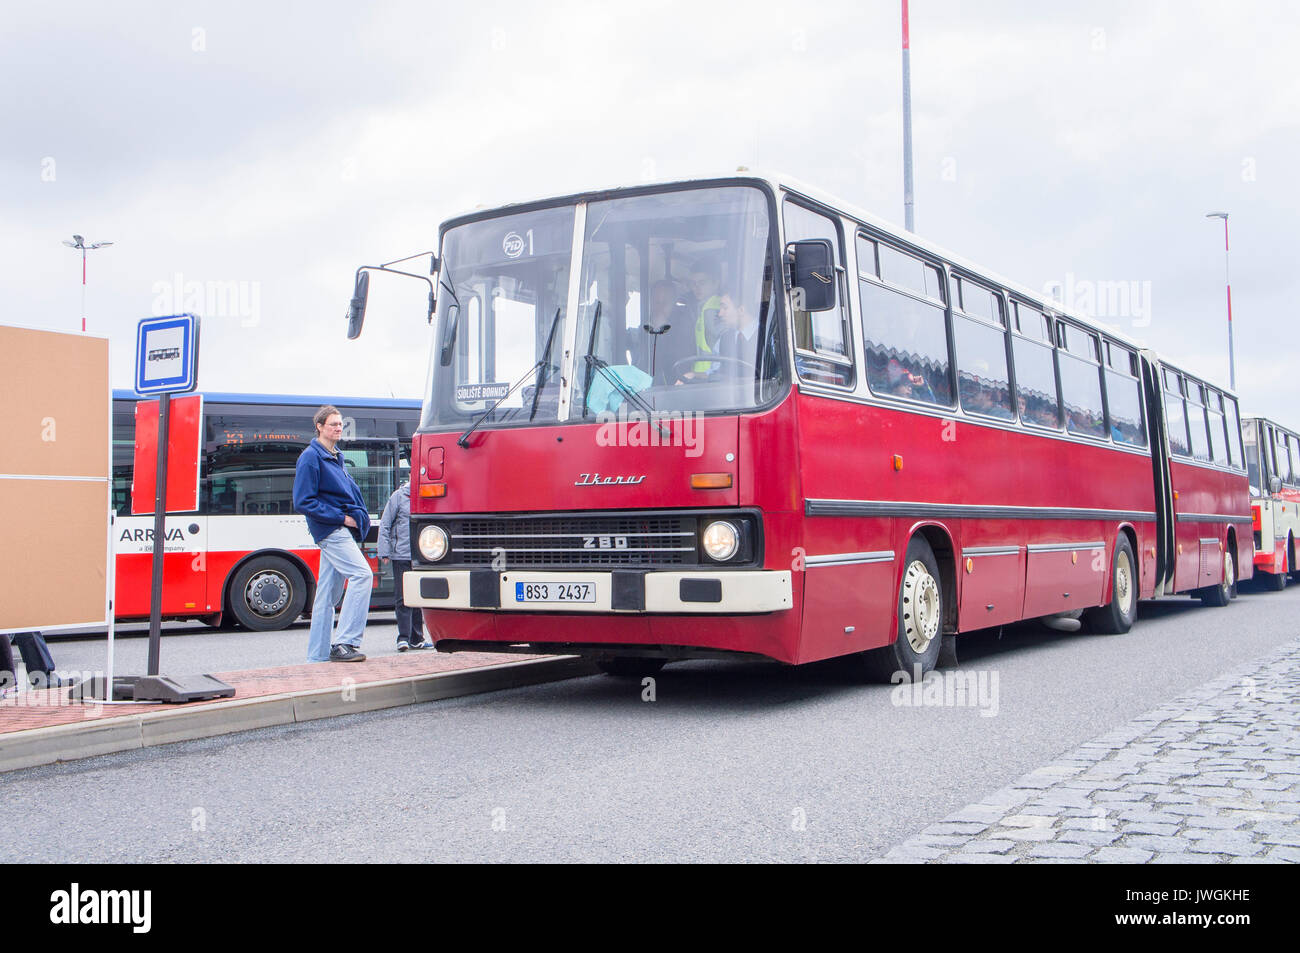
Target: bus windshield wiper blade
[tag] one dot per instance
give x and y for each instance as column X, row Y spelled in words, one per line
column 546, row 356
column 633, row 397
column 464, row 438
column 591, row 349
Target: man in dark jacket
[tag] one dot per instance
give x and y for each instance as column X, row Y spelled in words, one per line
column 337, row 518
column 395, row 546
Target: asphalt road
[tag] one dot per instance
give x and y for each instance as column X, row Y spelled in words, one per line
column 730, row 762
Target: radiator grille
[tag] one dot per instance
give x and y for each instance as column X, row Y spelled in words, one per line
column 564, row 541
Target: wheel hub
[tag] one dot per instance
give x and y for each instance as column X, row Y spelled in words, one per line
column 1124, row 584
column 921, row 607
column 267, row 593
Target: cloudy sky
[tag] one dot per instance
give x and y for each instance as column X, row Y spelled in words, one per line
column 253, row 155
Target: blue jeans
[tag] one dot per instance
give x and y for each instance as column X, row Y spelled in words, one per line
column 340, row 561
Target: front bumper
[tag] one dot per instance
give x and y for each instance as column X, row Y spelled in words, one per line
column 631, row 592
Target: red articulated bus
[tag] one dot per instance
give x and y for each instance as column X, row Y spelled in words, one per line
column 733, row 417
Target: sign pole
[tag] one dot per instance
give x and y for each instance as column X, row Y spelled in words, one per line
column 112, row 598
column 166, row 363
column 159, row 534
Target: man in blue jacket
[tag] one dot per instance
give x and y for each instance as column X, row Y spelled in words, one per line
column 325, row 493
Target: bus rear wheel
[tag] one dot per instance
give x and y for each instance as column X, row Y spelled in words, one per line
column 1116, row 617
column 267, row 593
column 1221, row 594
column 915, row 650
column 1272, row 581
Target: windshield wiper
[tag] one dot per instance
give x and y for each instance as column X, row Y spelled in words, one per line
column 464, row 438
column 636, row 399
column 546, row 356
column 591, row 349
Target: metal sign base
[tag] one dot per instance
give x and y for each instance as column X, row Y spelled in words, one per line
column 157, row 688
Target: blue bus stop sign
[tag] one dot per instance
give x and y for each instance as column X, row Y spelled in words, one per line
column 167, row 355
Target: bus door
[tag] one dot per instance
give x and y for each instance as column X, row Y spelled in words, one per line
column 373, row 464
column 1158, row 440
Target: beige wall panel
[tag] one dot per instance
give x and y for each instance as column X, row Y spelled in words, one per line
column 52, row 570
column 54, row 390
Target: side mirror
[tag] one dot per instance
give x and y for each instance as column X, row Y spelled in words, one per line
column 357, row 310
column 812, row 274
column 1275, row 485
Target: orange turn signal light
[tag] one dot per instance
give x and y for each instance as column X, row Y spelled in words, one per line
column 710, row 481
column 433, row 490
column 898, row 462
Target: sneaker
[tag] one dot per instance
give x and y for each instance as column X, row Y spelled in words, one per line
column 421, row 644
column 403, row 645
column 345, row 653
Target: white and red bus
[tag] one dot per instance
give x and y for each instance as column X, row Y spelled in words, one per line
column 1273, row 458
column 244, row 556
column 736, row 417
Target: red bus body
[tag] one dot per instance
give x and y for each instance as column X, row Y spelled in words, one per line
column 1022, row 523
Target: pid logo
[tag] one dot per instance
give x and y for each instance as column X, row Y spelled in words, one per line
column 513, row 245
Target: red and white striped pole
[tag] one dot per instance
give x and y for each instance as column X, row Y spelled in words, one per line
column 908, row 214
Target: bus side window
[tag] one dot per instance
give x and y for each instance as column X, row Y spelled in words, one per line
column 1175, row 418
column 1037, row 385
column 983, row 384
column 1123, row 398
column 823, row 352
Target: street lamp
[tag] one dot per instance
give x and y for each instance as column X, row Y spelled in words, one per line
column 80, row 243
column 1232, row 363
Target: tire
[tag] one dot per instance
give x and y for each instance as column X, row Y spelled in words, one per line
column 1220, row 595
column 631, row 667
column 267, row 593
column 920, row 620
column 1272, row 581
column 1118, row 615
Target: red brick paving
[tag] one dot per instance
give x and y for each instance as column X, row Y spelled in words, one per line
column 42, row 709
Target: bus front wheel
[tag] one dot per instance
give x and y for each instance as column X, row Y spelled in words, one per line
column 920, row 620
column 267, row 593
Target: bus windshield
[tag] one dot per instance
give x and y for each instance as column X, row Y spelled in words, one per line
column 674, row 311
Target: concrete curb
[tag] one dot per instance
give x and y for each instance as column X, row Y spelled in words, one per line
column 59, row 743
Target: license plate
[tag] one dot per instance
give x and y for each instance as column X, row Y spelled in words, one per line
column 555, row 592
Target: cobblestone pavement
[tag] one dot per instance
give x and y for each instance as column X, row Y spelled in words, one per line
column 1212, row 777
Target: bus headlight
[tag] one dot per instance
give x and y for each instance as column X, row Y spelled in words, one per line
column 721, row 540
column 433, row 543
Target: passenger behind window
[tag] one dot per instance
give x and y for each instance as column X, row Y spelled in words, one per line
column 704, row 283
column 902, row 382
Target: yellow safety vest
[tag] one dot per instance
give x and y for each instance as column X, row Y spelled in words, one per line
column 702, row 335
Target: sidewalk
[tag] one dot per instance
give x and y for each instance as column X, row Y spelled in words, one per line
column 42, row 727
column 1212, row 777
